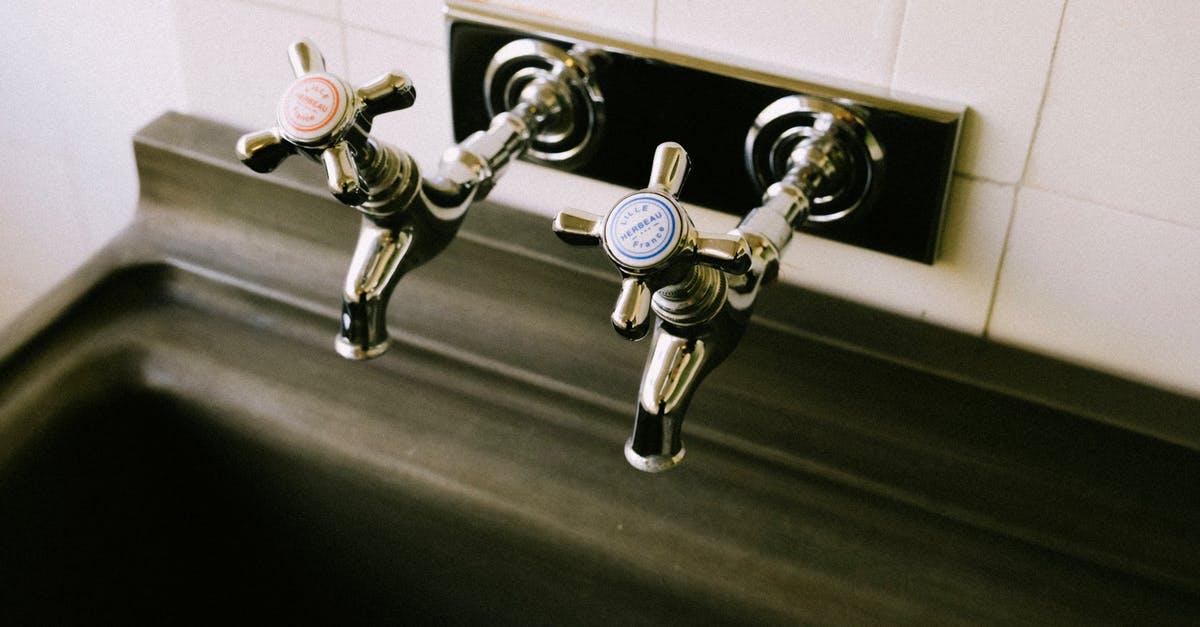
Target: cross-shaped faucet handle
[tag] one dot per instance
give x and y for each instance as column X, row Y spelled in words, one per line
column 652, row 241
column 322, row 117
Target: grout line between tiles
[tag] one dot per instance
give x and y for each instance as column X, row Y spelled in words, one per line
column 899, row 42
column 1012, row 214
column 344, row 31
column 392, row 35
column 266, row 4
column 976, row 178
column 654, row 22
column 1111, row 207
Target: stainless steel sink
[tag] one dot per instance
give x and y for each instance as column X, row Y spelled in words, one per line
column 166, row 458
column 178, row 440
column 166, row 486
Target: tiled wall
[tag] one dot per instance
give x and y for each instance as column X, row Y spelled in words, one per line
column 76, row 81
column 1073, row 228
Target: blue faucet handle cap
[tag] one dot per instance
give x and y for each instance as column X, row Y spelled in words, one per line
column 644, row 231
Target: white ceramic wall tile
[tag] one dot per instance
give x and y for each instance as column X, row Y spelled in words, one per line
column 13, row 300
column 234, row 57
column 42, row 236
column 423, row 130
column 954, row 292
column 993, row 57
column 614, row 17
column 1120, row 125
column 320, row 8
column 126, row 89
column 851, row 40
column 421, row 21
column 71, row 119
column 1102, row 287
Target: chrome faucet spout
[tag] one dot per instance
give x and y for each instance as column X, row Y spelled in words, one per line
column 419, row 220
column 701, row 288
column 673, row 368
column 685, row 277
column 679, row 360
column 408, row 219
column 655, row 445
column 374, row 271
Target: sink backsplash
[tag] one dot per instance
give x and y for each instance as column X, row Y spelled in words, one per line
column 1062, row 236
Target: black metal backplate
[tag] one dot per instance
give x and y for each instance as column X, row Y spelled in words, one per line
column 649, row 101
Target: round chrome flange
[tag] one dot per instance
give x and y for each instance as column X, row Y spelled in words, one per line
column 788, row 122
column 570, row 135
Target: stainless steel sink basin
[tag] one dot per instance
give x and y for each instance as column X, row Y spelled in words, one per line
column 133, row 501
column 165, row 458
column 178, row 440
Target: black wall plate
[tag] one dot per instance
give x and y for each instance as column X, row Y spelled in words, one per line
column 709, row 108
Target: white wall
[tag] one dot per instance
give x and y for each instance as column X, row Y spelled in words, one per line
column 76, row 81
column 1073, row 226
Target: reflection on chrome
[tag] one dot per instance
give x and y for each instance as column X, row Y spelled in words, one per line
column 408, row 219
column 702, row 288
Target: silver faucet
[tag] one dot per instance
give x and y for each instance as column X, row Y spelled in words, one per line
column 683, row 276
column 407, row 219
column 704, row 286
